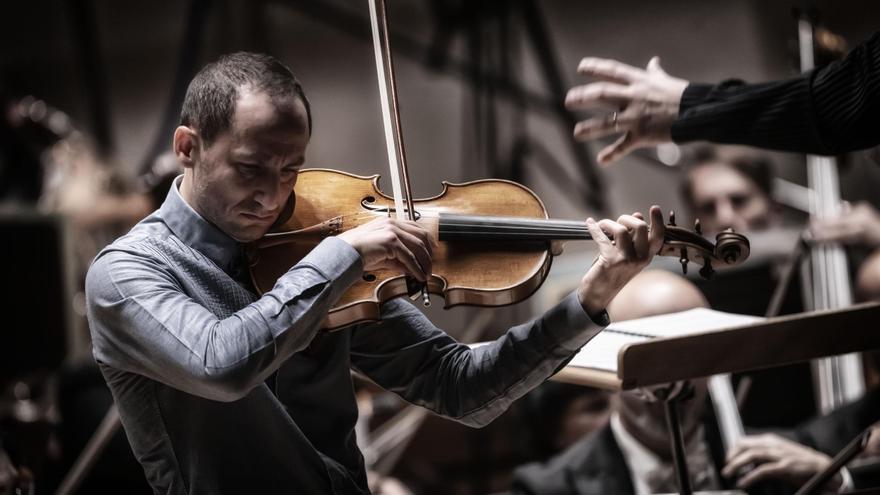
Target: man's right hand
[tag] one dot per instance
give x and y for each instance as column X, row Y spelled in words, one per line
column 643, row 104
column 388, row 243
column 776, row 457
column 855, row 225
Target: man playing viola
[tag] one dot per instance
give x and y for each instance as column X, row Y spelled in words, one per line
column 222, row 391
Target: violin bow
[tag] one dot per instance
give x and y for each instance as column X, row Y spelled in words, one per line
column 391, row 119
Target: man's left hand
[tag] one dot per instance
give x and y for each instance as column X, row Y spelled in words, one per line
column 634, row 245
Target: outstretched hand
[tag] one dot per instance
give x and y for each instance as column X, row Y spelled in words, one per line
column 643, row 104
column 632, row 245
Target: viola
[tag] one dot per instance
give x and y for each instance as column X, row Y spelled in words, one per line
column 496, row 243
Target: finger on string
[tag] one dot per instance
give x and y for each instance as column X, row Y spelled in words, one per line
column 656, row 230
column 639, row 231
column 599, row 94
column 609, row 70
column 619, row 148
column 767, row 471
column 598, row 235
column 621, row 236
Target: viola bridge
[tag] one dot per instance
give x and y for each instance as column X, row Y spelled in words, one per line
column 369, row 203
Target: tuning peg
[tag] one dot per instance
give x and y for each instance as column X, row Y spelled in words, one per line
column 672, row 218
column 684, row 261
column 707, row 272
column 698, row 228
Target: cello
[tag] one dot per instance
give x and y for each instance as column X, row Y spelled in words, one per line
column 839, row 379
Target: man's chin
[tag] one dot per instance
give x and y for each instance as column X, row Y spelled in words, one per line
column 246, row 235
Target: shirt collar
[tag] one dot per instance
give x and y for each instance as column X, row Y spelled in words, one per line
column 639, row 459
column 198, row 233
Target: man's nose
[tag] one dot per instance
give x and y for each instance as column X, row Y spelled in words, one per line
column 271, row 194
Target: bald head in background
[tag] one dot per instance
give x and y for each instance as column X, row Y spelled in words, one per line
column 655, row 292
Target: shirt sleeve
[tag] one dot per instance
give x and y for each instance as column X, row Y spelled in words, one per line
column 143, row 322
column 406, row 354
column 826, row 111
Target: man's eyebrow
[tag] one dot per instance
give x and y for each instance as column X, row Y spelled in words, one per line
column 247, row 155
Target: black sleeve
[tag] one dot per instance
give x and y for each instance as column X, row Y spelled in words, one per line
column 826, row 111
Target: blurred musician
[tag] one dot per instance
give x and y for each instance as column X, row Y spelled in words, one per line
column 631, row 454
column 728, row 188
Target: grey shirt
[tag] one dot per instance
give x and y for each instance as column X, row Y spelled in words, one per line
column 186, row 348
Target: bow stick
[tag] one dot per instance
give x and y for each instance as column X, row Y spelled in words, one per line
column 393, row 134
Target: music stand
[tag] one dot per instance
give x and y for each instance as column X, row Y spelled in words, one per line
column 655, row 361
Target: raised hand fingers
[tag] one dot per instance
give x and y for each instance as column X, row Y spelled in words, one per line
column 602, row 94
column 610, row 123
column 595, row 128
column 619, row 148
column 608, row 70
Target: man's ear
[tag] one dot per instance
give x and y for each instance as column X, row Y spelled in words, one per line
column 186, row 145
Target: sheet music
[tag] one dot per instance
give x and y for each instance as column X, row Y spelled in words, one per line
column 601, row 352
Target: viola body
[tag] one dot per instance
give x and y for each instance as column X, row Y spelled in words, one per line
column 495, row 242
column 468, row 270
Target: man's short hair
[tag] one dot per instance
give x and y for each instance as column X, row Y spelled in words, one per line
column 757, row 168
column 211, row 96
